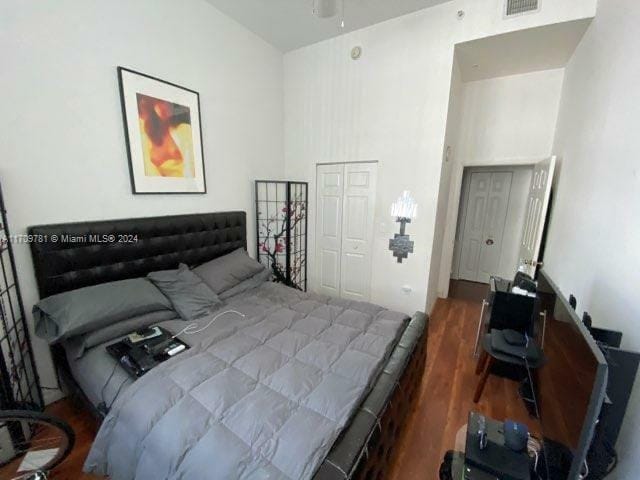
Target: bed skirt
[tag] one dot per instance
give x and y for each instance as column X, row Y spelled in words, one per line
column 366, row 448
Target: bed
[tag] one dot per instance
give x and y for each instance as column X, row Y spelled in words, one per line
column 364, row 446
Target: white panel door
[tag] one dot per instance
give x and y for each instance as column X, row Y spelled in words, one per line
column 474, row 224
column 536, row 214
column 495, row 218
column 486, row 211
column 329, row 196
column 357, row 230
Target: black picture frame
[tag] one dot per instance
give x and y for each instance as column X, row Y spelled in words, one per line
column 196, row 136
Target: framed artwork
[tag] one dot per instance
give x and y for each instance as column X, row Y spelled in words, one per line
column 163, row 134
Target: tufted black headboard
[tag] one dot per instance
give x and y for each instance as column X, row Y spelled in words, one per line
column 73, row 255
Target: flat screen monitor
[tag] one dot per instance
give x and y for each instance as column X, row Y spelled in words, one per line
column 570, row 385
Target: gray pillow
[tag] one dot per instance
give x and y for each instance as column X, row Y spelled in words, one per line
column 189, row 295
column 225, row 272
column 251, row 282
column 91, row 308
column 76, row 346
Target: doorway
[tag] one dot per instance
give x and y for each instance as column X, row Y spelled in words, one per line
column 345, row 201
column 491, row 212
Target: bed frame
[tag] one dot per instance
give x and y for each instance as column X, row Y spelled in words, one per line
column 74, row 255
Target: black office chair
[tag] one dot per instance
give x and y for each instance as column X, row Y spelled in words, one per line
column 503, row 309
column 496, row 349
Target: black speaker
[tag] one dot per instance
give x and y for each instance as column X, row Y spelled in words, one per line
column 572, row 301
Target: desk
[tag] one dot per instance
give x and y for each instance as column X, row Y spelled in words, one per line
column 460, row 471
column 507, row 463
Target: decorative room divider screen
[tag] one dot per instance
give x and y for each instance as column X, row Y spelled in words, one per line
column 19, row 383
column 281, row 226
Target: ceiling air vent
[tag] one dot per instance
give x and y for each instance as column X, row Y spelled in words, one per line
column 517, row 7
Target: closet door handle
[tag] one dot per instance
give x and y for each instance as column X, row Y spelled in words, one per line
column 489, row 241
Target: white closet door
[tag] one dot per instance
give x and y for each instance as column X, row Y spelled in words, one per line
column 329, row 189
column 486, row 213
column 474, row 225
column 497, row 205
column 534, row 220
column 357, row 230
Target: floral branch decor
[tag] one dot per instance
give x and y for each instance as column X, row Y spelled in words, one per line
column 281, row 240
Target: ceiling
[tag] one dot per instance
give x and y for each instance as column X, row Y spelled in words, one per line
column 531, row 50
column 290, row 24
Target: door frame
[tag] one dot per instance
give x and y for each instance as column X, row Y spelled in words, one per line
column 453, row 208
column 312, row 267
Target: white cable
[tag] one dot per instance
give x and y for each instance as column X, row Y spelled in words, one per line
column 188, row 330
column 584, row 475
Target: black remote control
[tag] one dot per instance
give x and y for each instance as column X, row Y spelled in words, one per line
column 142, row 359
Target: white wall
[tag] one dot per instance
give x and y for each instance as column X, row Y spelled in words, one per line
column 503, row 121
column 509, row 117
column 594, row 233
column 389, row 106
column 483, row 18
column 450, row 151
column 63, row 150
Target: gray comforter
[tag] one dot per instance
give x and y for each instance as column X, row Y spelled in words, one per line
column 263, row 396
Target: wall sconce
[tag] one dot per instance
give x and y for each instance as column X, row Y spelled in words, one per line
column 404, row 209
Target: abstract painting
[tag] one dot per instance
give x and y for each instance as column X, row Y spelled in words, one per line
column 163, row 134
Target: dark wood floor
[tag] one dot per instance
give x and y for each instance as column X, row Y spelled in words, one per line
column 442, row 407
column 85, row 428
column 466, row 290
column 446, row 395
